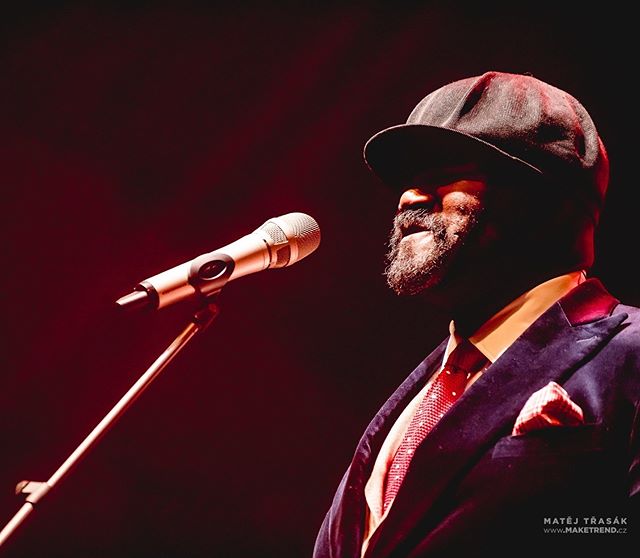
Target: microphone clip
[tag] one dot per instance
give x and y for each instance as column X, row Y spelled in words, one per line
column 210, row 272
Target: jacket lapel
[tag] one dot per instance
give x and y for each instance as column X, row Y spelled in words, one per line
column 347, row 514
column 550, row 350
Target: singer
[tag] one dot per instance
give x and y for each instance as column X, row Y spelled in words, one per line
column 524, row 423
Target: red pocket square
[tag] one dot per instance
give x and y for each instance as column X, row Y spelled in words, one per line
column 549, row 406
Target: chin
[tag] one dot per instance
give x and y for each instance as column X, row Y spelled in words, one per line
column 409, row 283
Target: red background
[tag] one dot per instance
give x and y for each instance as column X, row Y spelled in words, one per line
column 135, row 136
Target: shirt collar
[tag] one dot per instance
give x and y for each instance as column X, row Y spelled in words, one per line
column 497, row 334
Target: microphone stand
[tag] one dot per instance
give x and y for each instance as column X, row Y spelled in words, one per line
column 34, row 491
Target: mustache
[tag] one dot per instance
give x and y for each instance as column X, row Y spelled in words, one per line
column 409, row 221
column 413, row 220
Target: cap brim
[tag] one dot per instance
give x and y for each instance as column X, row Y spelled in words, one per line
column 399, row 154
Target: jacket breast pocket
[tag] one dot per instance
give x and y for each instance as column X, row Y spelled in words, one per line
column 554, row 441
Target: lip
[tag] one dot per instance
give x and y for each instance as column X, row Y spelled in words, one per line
column 417, row 236
column 413, row 229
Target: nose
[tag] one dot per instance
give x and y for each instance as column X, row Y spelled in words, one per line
column 415, row 198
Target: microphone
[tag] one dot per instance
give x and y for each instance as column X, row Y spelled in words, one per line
column 279, row 242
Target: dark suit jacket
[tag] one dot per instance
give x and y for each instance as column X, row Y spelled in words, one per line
column 472, row 487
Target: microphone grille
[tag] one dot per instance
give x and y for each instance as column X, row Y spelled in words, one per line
column 282, row 250
column 295, row 236
column 306, row 233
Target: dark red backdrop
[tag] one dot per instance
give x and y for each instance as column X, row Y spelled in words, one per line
column 135, row 138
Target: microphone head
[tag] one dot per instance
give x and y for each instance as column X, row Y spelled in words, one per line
column 294, row 235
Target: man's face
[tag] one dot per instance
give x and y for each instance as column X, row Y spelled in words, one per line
column 436, row 219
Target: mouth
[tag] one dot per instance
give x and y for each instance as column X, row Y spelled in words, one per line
column 413, row 229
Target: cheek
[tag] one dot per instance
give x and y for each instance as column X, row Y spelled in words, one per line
column 461, row 210
column 462, row 203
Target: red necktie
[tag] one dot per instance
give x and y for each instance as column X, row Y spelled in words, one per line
column 443, row 392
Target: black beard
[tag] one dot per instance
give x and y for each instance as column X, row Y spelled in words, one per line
column 409, row 272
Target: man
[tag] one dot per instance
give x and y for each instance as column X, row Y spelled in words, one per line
column 525, row 420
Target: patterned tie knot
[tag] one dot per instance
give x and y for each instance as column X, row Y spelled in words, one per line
column 466, row 358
